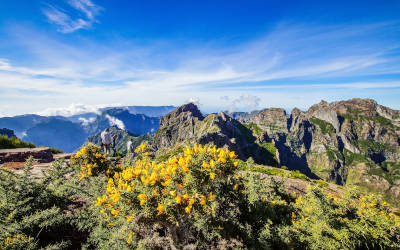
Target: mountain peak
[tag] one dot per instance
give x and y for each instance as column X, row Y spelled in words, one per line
column 184, row 112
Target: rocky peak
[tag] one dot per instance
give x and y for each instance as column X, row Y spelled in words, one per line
column 366, row 107
column 295, row 112
column 325, row 112
column 184, row 112
column 271, row 115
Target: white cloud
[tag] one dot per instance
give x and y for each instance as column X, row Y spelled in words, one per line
column 243, row 102
column 115, row 122
column 70, row 22
column 76, row 109
column 85, row 121
column 194, row 100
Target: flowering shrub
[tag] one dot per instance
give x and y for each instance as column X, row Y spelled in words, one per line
column 182, row 188
column 200, row 197
column 333, row 222
column 89, row 160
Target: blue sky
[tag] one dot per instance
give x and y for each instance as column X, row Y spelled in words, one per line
column 68, row 56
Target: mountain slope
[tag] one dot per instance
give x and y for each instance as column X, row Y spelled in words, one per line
column 20, row 123
column 348, row 142
column 134, row 123
column 57, row 133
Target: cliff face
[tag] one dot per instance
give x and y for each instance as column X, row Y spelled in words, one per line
column 347, row 142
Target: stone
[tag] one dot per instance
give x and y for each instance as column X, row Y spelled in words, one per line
column 41, row 154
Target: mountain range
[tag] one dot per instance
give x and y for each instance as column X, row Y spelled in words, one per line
column 69, row 133
column 353, row 142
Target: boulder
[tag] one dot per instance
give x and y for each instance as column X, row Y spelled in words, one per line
column 41, row 154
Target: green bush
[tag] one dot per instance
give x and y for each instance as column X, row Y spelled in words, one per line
column 13, row 142
column 36, row 214
column 332, row 222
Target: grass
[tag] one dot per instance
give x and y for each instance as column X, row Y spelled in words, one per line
column 279, row 172
column 175, row 151
column 366, row 145
column 325, row 127
column 270, row 147
column 333, row 154
column 253, row 127
column 351, row 157
column 56, row 151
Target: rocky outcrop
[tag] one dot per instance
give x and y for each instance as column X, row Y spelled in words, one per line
column 42, row 154
column 178, row 125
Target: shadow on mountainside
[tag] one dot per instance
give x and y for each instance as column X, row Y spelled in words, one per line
column 291, row 160
column 240, row 139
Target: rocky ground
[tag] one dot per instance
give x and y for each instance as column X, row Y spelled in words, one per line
column 14, row 159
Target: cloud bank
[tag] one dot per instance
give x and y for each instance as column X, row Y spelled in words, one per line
column 76, row 109
column 115, row 122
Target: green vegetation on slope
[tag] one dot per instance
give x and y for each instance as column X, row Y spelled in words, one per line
column 13, row 142
column 325, row 127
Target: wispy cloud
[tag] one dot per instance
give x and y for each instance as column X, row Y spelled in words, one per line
column 269, row 67
column 82, row 15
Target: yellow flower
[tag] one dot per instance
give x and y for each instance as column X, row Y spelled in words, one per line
column 173, row 193
column 155, row 192
column 182, row 162
column 180, row 186
column 81, row 175
column 166, row 183
column 142, row 196
column 222, row 160
column 235, row 164
column 212, row 176
column 191, row 201
column 205, row 165
column 220, row 228
column 129, row 218
column 188, row 209
column 203, row 200
column 211, row 196
column 185, row 169
column 232, row 155
column 178, row 199
column 114, row 212
column 160, row 209
column 212, row 163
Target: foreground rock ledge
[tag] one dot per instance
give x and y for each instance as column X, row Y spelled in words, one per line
column 41, row 154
